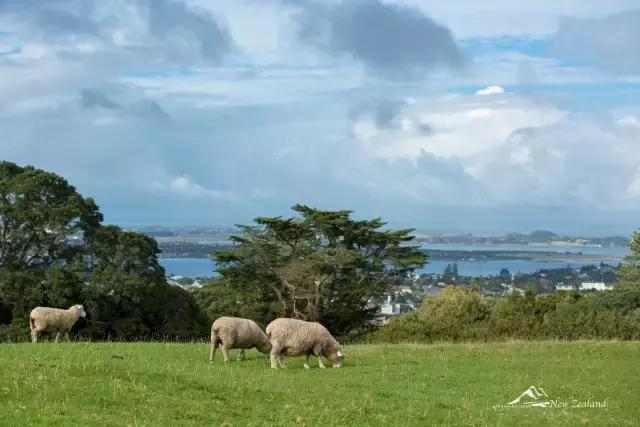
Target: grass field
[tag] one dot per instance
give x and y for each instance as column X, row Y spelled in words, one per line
column 158, row 384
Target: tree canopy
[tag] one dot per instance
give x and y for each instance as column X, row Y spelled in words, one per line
column 39, row 213
column 320, row 265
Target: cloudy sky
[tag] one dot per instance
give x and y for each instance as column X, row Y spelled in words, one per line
column 446, row 116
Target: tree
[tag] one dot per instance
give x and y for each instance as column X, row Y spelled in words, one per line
column 504, row 273
column 321, row 265
column 43, row 221
column 629, row 276
column 39, row 214
column 128, row 295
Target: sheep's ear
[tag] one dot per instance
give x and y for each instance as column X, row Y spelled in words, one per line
column 339, row 353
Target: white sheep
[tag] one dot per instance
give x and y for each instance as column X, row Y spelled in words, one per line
column 293, row 337
column 47, row 319
column 234, row 332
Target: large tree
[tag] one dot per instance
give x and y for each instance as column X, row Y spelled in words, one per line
column 320, row 265
column 43, row 224
column 39, row 215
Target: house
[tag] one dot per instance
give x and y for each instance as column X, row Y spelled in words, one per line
column 595, row 286
column 561, row 287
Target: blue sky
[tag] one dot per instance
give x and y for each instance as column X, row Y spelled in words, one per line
column 484, row 117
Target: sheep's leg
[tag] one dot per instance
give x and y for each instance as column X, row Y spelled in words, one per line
column 212, row 353
column 240, row 355
column 67, row 336
column 225, row 352
column 273, row 356
column 281, row 360
column 57, row 336
column 306, row 361
column 320, row 362
column 34, row 336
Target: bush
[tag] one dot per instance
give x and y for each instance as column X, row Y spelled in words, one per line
column 460, row 314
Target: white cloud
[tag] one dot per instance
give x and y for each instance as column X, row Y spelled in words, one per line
column 462, row 126
column 185, row 186
column 630, row 121
column 490, row 90
column 513, row 151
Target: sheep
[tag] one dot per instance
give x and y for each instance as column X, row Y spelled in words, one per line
column 295, row 337
column 47, row 319
column 234, row 332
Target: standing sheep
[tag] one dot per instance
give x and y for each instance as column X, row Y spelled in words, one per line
column 234, row 332
column 295, row 337
column 47, row 319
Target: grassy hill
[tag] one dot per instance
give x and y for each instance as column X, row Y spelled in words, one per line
column 444, row 384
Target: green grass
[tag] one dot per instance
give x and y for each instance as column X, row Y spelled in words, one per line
column 158, row 384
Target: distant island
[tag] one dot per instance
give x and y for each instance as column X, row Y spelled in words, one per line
column 537, row 237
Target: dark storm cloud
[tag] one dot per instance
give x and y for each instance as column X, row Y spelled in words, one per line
column 391, row 40
column 93, row 98
column 612, row 42
column 165, row 16
column 172, row 27
column 384, row 112
column 145, row 109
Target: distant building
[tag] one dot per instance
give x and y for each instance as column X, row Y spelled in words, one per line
column 595, row 286
column 564, row 287
column 392, row 309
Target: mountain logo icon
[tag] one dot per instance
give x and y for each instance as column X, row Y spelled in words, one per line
column 532, row 397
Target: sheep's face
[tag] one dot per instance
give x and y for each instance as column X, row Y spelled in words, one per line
column 264, row 347
column 81, row 310
column 336, row 357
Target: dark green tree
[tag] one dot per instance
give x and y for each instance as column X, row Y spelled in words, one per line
column 128, row 296
column 321, row 265
column 39, row 215
column 629, row 276
column 43, row 222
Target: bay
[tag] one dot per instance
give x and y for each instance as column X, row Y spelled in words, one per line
column 202, row 267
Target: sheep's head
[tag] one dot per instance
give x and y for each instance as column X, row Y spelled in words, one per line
column 264, row 346
column 336, row 357
column 80, row 309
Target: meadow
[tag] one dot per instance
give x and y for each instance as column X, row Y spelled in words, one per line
column 153, row 384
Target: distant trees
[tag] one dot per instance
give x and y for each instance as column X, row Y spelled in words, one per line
column 450, row 273
column 55, row 252
column 321, row 265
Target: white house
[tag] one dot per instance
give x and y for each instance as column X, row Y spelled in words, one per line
column 598, row 286
column 564, row 287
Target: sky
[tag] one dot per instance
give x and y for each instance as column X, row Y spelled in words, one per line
column 458, row 116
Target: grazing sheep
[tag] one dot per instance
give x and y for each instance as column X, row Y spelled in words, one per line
column 47, row 319
column 234, row 332
column 293, row 337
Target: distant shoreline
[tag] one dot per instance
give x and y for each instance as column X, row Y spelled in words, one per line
column 452, row 255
